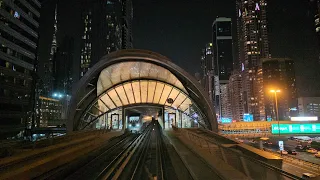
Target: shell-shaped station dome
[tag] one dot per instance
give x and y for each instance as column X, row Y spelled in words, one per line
column 131, row 77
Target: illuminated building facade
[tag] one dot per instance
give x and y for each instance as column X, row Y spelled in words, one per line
column 207, row 69
column 62, row 67
column 278, row 73
column 50, row 112
column 317, row 21
column 19, row 36
column 86, row 50
column 104, row 35
column 235, row 96
column 309, row 106
column 48, row 81
column 226, row 111
column 253, row 45
column 222, row 57
column 127, row 14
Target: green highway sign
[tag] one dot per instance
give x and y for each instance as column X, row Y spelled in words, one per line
column 296, row 128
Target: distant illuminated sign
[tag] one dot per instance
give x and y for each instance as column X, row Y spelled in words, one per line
column 269, row 118
column 16, row 15
column 295, row 128
column 247, row 117
column 281, row 145
column 257, row 7
column 312, row 118
column 226, row 120
column 293, row 109
column 242, row 67
column 240, row 13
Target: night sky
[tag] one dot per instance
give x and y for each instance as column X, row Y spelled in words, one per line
column 179, row 29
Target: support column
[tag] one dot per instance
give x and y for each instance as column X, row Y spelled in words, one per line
column 124, row 121
column 105, row 120
column 175, row 121
column 261, row 144
column 163, row 120
column 180, row 117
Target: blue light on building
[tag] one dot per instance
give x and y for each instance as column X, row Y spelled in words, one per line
column 247, row 117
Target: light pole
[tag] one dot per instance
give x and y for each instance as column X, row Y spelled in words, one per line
column 276, row 100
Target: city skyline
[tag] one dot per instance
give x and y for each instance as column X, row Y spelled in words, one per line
column 285, row 41
column 171, row 89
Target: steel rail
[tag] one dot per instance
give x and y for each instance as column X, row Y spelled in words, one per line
column 115, row 167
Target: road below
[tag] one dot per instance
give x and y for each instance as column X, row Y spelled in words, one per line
column 301, row 155
column 292, row 168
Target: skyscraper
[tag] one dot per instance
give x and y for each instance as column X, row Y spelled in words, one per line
column 235, row 96
column 317, row 21
column 63, row 66
column 253, row 45
column 104, row 35
column 278, row 73
column 86, row 50
column 48, row 80
column 222, row 56
column 127, row 12
column 207, row 69
column 19, row 37
column 226, row 111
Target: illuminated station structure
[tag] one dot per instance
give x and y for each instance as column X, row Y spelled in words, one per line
column 123, row 85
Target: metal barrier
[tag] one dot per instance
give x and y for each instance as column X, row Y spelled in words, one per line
column 251, row 167
column 296, row 161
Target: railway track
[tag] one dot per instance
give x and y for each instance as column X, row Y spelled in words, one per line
column 134, row 156
column 151, row 161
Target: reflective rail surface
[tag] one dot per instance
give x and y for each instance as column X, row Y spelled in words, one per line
column 129, row 156
column 253, row 168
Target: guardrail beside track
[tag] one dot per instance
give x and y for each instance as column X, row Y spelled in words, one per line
column 209, row 142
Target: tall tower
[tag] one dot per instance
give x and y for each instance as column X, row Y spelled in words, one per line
column 253, row 45
column 317, row 21
column 207, row 69
column 279, row 73
column 127, row 12
column 223, row 58
column 107, row 28
column 86, row 49
column 19, row 41
column 63, row 66
column 48, row 66
column 235, row 96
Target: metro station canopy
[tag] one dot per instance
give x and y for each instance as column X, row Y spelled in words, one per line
column 135, row 77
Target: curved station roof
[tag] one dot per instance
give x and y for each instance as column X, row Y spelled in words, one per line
column 135, row 77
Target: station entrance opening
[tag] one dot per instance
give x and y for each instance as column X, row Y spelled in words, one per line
column 129, row 81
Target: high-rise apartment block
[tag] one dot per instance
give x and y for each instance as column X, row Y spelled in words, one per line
column 317, row 21
column 235, row 96
column 279, row 74
column 107, row 28
column 207, row 69
column 63, row 67
column 309, row 106
column 86, row 50
column 253, row 45
column 19, row 36
column 222, row 57
column 226, row 111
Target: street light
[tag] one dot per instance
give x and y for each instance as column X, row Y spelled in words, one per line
column 276, row 99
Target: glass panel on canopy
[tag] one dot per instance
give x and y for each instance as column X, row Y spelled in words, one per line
column 125, row 71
